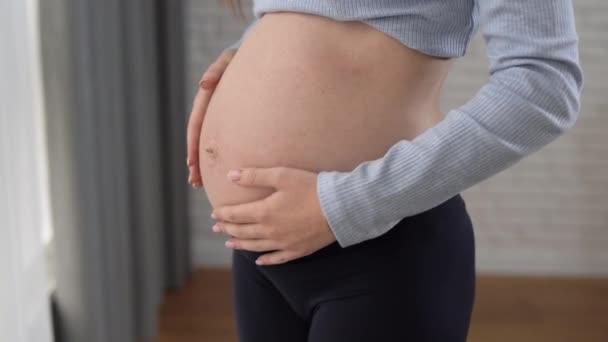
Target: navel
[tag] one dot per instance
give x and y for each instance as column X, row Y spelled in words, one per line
column 211, row 151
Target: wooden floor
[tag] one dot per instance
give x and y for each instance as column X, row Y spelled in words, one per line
column 507, row 309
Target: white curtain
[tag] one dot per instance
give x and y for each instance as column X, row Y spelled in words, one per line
column 24, row 209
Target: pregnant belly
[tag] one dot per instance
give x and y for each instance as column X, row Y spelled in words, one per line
column 309, row 92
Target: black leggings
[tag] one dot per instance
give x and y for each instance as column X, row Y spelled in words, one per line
column 414, row 283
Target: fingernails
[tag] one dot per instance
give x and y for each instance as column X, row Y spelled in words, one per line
column 215, row 228
column 229, row 244
column 205, row 82
column 213, row 215
column 234, row 175
column 259, row 262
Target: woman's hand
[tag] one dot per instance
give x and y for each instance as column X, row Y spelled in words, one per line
column 289, row 222
column 205, row 90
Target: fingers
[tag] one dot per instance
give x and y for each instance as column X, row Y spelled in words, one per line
column 251, row 212
column 215, row 71
column 241, row 231
column 274, row 177
column 197, row 115
column 278, row 257
column 195, row 123
column 260, row 245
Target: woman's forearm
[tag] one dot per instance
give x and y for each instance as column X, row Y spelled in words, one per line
column 532, row 97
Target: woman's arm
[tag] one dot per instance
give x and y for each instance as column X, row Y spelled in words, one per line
column 532, row 97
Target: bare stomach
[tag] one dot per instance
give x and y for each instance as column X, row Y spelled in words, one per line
column 313, row 93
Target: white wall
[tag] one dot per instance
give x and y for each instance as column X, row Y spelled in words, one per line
column 549, row 213
column 24, row 299
column 546, row 215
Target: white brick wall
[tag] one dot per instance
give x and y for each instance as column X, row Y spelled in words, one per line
column 546, row 215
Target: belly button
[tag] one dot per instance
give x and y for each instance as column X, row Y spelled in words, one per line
column 211, row 151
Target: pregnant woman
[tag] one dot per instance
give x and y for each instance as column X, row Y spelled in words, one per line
column 346, row 219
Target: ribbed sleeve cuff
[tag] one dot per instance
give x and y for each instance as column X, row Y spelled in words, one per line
column 348, row 227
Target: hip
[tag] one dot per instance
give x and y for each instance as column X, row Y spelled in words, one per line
column 424, row 259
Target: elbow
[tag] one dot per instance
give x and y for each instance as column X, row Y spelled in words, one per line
column 568, row 84
column 568, row 105
column 547, row 84
column 541, row 100
column 560, row 97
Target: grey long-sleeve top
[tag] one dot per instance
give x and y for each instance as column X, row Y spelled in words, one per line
column 531, row 98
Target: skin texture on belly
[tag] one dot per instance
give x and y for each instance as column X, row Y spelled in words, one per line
column 312, row 93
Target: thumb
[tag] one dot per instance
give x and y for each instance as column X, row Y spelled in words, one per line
column 258, row 177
